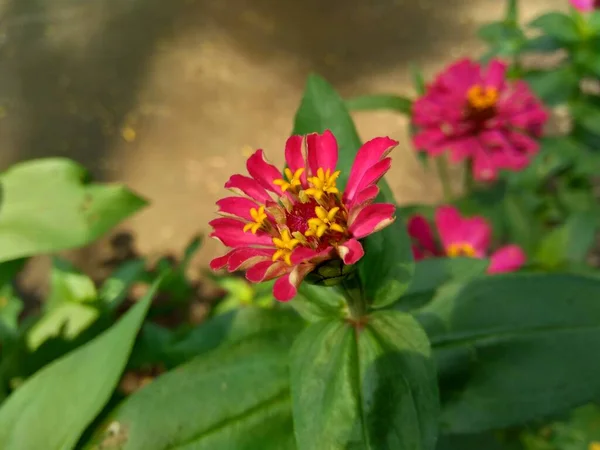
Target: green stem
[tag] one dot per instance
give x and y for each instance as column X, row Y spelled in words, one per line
column 353, row 291
column 469, row 181
column 442, row 169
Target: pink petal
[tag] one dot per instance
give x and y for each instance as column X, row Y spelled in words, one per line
column 322, row 151
column 294, row 157
column 367, row 156
column 237, row 206
column 220, row 262
column 286, row 287
column 419, row 229
column 477, row 232
column 230, row 232
column 365, row 196
column 495, row 74
column 507, row 259
column 448, row 223
column 304, row 254
column 418, row 254
column 351, row 251
column 246, row 257
column 455, row 229
column 263, row 172
column 248, row 186
column 583, row 5
column 374, row 174
column 432, row 141
column 372, row 218
column 484, row 168
column 266, row 270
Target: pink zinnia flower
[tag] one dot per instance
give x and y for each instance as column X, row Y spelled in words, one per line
column 585, row 5
column 461, row 236
column 284, row 227
column 477, row 114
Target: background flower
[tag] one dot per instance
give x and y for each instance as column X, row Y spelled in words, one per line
column 461, row 237
column 477, row 114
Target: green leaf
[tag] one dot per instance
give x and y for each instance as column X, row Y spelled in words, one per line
column 541, row 44
column 554, row 86
column 431, row 274
column 47, row 207
column 558, row 26
column 323, row 109
column 64, row 397
column 66, row 321
column 587, row 115
column 232, row 328
column 417, row 77
column 68, row 285
column 513, row 348
column 387, row 267
column 569, row 243
column 397, row 103
column 10, row 309
column 315, row 303
column 371, row 387
column 115, row 288
column 236, row 397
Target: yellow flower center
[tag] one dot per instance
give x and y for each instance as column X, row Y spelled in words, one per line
column 481, row 98
column 458, row 249
column 325, row 221
column 259, row 216
column 323, row 183
column 292, row 180
column 285, row 245
column 594, row 446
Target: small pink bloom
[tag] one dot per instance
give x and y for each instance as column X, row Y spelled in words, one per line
column 585, row 5
column 476, row 114
column 284, row 225
column 461, row 236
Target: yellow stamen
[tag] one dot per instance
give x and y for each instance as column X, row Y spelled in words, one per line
column 259, row 216
column 285, row 245
column 458, row 249
column 324, row 221
column 482, row 98
column 323, row 183
column 594, row 446
column 293, row 180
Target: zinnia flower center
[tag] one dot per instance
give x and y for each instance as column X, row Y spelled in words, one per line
column 481, row 103
column 297, row 218
column 458, row 249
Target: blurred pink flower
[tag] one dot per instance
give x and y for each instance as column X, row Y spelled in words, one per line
column 461, row 237
column 477, row 114
column 585, row 5
column 283, row 227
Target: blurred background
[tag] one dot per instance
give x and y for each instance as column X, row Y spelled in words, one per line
column 170, row 96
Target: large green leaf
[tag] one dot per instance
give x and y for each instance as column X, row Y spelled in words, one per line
column 555, row 86
column 323, row 109
column 48, row 206
column 235, row 397
column 512, row 348
column 431, row 274
column 370, row 387
column 373, row 102
column 233, row 327
column 558, row 26
column 387, row 266
column 52, row 408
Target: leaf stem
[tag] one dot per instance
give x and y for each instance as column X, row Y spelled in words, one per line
column 353, row 292
column 469, row 181
column 442, row 169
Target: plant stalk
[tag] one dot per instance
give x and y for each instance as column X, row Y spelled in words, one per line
column 442, row 169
